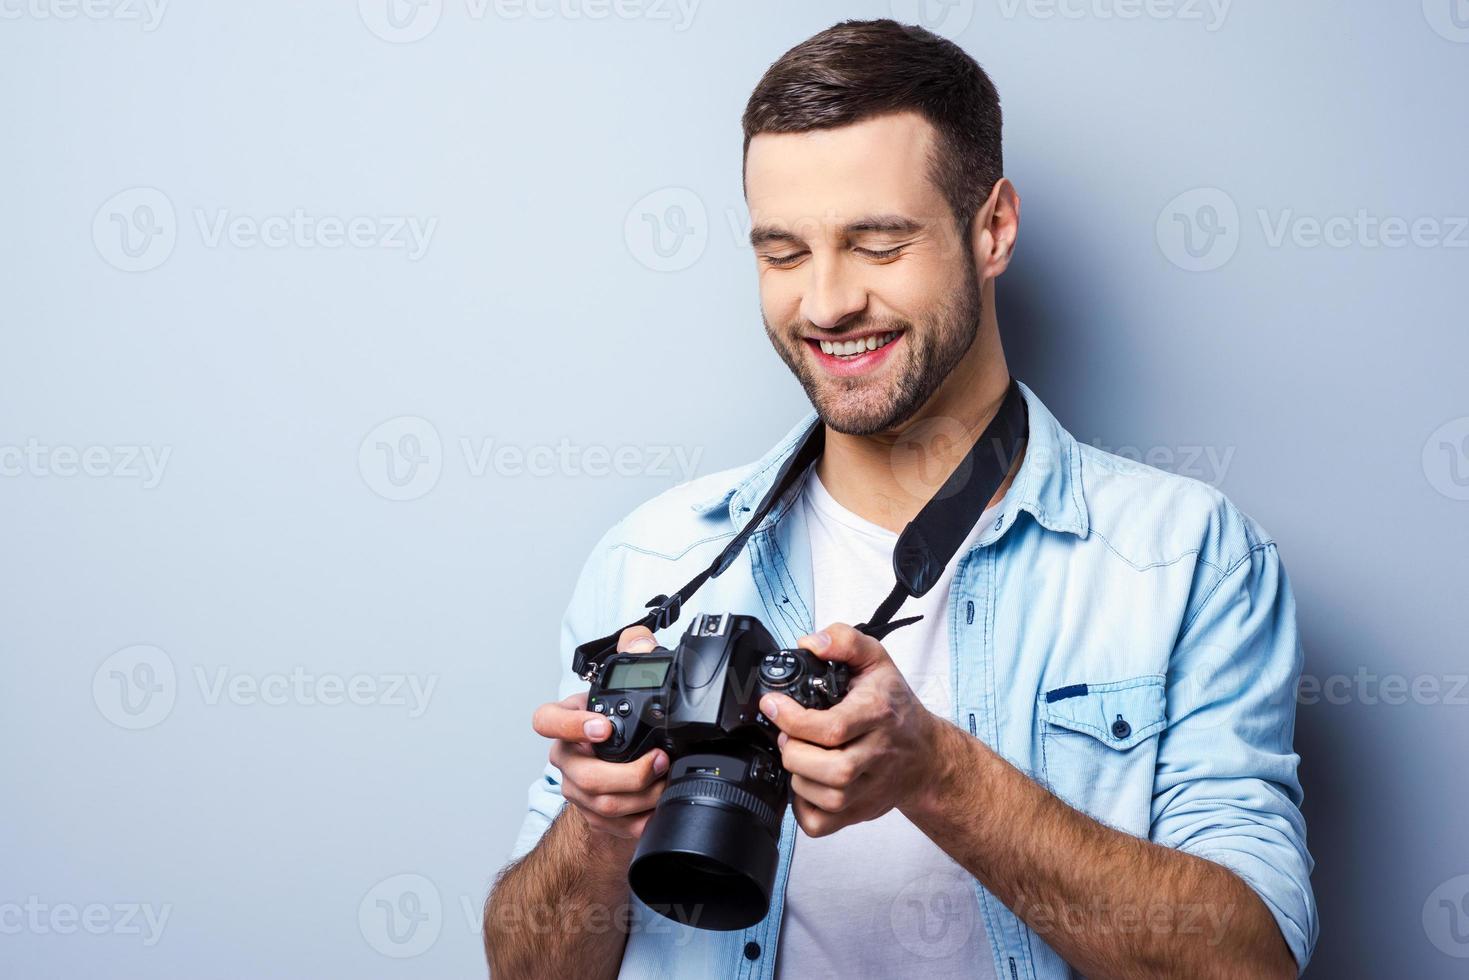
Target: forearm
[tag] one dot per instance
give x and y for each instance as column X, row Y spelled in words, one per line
column 1110, row 904
column 563, row 909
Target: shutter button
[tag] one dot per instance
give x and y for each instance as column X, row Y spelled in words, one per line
column 1121, row 729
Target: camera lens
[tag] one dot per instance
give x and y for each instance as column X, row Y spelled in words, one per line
column 708, row 856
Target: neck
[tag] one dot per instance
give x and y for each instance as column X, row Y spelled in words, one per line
column 887, row 477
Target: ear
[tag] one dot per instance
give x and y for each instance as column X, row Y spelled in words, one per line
column 995, row 229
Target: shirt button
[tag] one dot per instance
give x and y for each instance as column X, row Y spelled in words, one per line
column 1121, row 729
column 752, row 951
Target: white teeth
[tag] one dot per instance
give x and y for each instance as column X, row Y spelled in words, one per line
column 847, row 348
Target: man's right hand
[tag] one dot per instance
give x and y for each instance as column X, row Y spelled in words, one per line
column 614, row 798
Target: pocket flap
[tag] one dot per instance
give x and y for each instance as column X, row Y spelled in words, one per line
column 1119, row 714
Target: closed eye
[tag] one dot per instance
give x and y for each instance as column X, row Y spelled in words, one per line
column 882, row 253
column 783, row 261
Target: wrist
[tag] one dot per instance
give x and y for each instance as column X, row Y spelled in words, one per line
column 604, row 853
column 939, row 779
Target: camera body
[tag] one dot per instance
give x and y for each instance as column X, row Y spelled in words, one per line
column 708, row 855
column 708, row 688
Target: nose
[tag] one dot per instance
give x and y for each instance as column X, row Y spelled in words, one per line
column 832, row 295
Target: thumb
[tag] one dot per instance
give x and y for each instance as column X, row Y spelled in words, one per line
column 636, row 639
column 844, row 644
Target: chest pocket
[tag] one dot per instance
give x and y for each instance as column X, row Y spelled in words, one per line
column 1099, row 747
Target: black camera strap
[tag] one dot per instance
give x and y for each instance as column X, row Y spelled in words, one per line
column 922, row 551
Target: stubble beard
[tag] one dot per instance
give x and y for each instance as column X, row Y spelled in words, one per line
column 864, row 406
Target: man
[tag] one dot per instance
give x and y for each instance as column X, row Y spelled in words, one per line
column 1081, row 758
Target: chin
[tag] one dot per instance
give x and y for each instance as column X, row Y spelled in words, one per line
column 855, row 414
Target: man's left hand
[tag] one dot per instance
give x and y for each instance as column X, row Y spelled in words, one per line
column 860, row 758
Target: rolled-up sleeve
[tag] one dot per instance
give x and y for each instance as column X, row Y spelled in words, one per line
column 1226, row 786
column 582, row 621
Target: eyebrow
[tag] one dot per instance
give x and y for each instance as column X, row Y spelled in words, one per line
column 880, row 223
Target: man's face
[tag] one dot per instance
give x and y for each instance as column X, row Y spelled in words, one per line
column 867, row 290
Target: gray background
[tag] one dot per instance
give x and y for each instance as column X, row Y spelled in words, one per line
column 298, row 387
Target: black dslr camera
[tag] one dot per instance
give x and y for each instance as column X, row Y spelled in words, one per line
column 708, row 855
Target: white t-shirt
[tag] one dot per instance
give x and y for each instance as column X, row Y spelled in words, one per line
column 879, row 899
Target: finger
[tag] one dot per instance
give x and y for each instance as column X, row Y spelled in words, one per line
column 815, row 821
column 596, row 776
column 831, row 767
column 636, row 639
column 829, row 727
column 614, row 806
column 570, row 721
column 845, row 644
column 827, row 798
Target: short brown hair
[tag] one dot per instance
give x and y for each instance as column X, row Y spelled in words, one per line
column 863, row 68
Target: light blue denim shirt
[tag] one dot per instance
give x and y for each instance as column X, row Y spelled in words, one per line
column 1105, row 592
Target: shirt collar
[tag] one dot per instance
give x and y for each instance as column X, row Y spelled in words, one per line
column 1048, row 485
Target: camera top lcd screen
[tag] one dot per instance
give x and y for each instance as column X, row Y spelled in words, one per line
column 643, row 672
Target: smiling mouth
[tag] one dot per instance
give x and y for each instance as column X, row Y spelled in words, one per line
column 844, row 349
